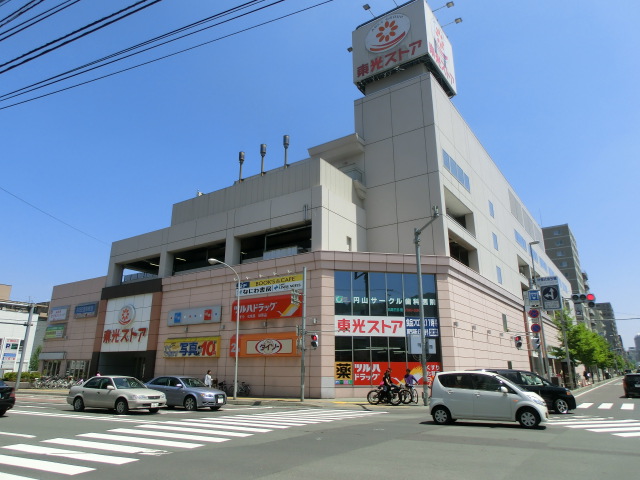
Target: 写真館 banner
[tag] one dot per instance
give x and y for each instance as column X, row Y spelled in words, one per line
column 205, row 347
column 267, row 308
column 266, row 345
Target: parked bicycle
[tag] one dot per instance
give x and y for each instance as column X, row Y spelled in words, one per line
column 243, row 388
column 378, row 395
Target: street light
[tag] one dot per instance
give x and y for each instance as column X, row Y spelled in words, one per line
column 214, row 261
column 532, row 280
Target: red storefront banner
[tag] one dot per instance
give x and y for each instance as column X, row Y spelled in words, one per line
column 370, row 373
column 267, row 308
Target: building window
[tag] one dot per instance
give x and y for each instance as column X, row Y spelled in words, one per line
column 491, row 210
column 505, row 323
column 559, row 243
column 520, row 239
column 455, row 170
column 564, row 264
column 499, row 275
column 560, row 253
column 348, row 244
column 495, row 241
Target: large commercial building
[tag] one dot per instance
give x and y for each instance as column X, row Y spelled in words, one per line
column 340, row 228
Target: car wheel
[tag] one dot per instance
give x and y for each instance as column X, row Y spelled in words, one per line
column 3, row 411
column 215, row 408
column 561, row 406
column 441, row 416
column 78, row 404
column 190, row 403
column 122, row 407
column 154, row 410
column 528, row 418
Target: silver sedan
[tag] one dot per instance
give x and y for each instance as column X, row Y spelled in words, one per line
column 188, row 392
column 115, row 392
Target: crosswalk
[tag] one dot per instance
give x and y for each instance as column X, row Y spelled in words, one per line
column 131, row 439
column 606, row 406
column 619, row 428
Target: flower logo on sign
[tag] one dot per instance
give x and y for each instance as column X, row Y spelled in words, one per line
column 387, row 33
column 268, row 346
column 127, row 315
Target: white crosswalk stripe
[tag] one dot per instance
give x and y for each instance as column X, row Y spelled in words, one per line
column 619, row 428
column 607, row 406
column 123, row 445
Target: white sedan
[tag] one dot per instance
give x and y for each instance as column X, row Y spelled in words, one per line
column 115, row 392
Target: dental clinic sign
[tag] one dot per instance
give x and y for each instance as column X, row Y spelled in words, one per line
column 406, row 35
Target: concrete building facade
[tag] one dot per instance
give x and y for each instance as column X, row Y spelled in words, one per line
column 339, row 226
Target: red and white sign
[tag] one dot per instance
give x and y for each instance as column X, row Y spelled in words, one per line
column 126, row 324
column 347, row 325
column 267, row 308
column 406, row 34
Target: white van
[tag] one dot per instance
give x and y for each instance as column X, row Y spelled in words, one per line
column 484, row 396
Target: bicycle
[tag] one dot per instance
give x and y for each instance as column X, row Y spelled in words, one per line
column 409, row 394
column 243, row 388
column 378, row 395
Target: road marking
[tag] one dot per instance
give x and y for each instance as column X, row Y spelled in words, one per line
column 17, row 435
column 44, row 465
column 584, row 405
column 8, row 476
column 224, row 426
column 605, row 406
column 176, row 436
column 627, row 406
column 198, row 430
column 146, row 441
column 112, row 447
column 58, row 452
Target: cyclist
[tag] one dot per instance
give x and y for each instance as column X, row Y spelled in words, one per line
column 387, row 384
column 409, row 379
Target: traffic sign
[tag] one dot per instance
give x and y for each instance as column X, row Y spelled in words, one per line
column 551, row 299
column 534, row 313
column 534, row 296
column 535, row 327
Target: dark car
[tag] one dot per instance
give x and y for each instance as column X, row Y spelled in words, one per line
column 7, row 397
column 559, row 399
column 188, row 392
column 631, row 384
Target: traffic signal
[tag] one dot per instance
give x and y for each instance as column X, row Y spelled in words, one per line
column 314, row 341
column 588, row 298
column 535, row 343
column 518, row 341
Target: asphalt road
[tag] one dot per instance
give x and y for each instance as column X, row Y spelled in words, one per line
column 42, row 438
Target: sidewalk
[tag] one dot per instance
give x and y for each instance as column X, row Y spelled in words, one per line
column 246, row 401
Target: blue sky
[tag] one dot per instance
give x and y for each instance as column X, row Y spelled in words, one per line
column 549, row 88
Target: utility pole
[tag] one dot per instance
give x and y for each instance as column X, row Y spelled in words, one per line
column 25, row 342
column 423, row 330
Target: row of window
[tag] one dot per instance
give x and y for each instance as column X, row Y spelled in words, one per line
column 455, row 170
column 384, row 294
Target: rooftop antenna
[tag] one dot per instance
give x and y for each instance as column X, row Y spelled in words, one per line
column 285, row 142
column 263, row 152
column 241, row 160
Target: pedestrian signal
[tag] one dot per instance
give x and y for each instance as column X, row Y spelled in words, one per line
column 518, row 341
column 314, row 341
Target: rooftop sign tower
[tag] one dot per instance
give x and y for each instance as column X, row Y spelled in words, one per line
column 402, row 38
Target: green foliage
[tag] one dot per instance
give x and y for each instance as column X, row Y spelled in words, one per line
column 24, row 376
column 35, row 358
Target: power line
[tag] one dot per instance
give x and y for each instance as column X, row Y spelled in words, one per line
column 156, row 59
column 101, row 61
column 40, row 17
column 44, row 52
column 52, row 216
column 21, row 11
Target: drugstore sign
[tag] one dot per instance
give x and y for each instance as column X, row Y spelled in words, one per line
column 267, row 308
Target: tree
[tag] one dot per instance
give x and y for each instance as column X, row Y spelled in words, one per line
column 35, row 358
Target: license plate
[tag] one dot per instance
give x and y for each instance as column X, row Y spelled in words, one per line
column 637, row 384
column 155, row 405
column 220, row 400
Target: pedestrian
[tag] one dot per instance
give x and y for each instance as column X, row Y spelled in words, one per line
column 208, row 380
column 97, row 374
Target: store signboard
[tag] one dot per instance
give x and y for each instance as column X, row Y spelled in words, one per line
column 271, row 285
column 86, row 310
column 194, row 347
column 193, row 316
column 58, row 314
column 370, row 326
column 54, row 331
column 260, row 345
column 267, row 308
column 126, row 325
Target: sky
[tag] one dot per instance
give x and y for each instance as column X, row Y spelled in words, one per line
column 548, row 87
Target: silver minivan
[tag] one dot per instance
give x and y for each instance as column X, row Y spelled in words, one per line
column 484, row 396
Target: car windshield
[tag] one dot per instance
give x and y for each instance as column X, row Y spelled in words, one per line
column 192, row 382
column 128, row 382
column 531, row 379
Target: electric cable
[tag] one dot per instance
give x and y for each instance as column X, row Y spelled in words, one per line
column 43, row 16
column 52, row 216
column 21, row 11
column 66, row 75
column 161, row 58
column 153, row 2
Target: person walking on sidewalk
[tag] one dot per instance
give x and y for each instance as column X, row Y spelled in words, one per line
column 208, row 380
